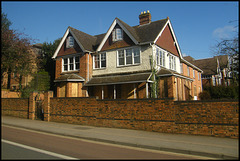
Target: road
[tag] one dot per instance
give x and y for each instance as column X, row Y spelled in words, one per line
column 19, row 143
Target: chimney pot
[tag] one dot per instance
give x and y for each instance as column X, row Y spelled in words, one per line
column 144, row 17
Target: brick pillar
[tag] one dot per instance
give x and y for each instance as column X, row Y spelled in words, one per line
column 46, row 105
column 32, row 105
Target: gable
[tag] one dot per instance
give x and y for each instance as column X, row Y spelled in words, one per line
column 127, row 30
column 110, row 44
column 67, row 51
column 167, row 42
column 78, row 48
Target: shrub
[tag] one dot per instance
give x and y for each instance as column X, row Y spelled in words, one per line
column 220, row 92
column 205, row 95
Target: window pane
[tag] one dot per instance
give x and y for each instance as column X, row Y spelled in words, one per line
column 136, row 55
column 71, row 60
column 119, row 34
column 129, row 56
column 65, row 67
column 71, row 41
column 170, row 61
column 96, row 61
column 71, row 63
column 65, row 61
column 161, row 59
column 121, row 57
column 77, row 66
column 77, row 59
column 77, row 62
column 70, row 66
column 103, row 60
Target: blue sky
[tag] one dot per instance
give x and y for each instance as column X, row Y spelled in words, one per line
column 197, row 25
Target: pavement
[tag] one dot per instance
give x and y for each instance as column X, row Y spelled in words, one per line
column 213, row 147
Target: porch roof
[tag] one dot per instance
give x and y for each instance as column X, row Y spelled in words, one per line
column 70, row 78
column 118, row 79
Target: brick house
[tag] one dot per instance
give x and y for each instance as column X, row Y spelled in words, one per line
column 35, row 51
column 216, row 70
column 117, row 64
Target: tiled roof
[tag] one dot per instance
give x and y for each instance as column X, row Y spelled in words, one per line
column 149, row 32
column 69, row 77
column 118, row 79
column 209, row 65
column 142, row 33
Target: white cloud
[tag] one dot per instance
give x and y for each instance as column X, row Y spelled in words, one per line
column 224, row 32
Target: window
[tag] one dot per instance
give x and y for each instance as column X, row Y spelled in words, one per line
column 117, row 34
column 157, row 56
column 99, row 61
column 181, row 68
column 136, row 57
column 160, row 56
column 71, row 63
column 198, row 75
column 128, row 56
column 188, row 71
column 103, row 60
column 121, row 57
column 193, row 73
column 70, row 42
column 172, row 62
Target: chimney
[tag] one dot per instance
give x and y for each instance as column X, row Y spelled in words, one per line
column 144, row 17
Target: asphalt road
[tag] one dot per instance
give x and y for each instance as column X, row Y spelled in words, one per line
column 18, row 143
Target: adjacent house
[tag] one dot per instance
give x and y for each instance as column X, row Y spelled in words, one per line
column 216, row 70
column 13, row 78
column 117, row 64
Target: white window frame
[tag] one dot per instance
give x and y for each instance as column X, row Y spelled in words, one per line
column 68, row 63
column 133, row 57
column 188, row 71
column 181, row 68
column 100, row 55
column 172, row 62
column 117, row 34
column 70, row 42
column 160, row 56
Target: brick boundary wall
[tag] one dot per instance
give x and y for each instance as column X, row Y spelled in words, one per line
column 17, row 107
column 210, row 118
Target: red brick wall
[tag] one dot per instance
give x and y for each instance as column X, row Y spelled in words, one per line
column 210, row 118
column 194, row 117
column 58, row 69
column 17, row 107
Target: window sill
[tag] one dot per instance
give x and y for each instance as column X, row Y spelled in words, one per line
column 73, row 71
column 100, row 68
column 129, row 65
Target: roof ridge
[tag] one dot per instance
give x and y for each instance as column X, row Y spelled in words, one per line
column 82, row 32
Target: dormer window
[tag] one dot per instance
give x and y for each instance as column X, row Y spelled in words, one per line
column 117, row 34
column 70, row 42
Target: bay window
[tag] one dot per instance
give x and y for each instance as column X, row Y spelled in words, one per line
column 160, row 56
